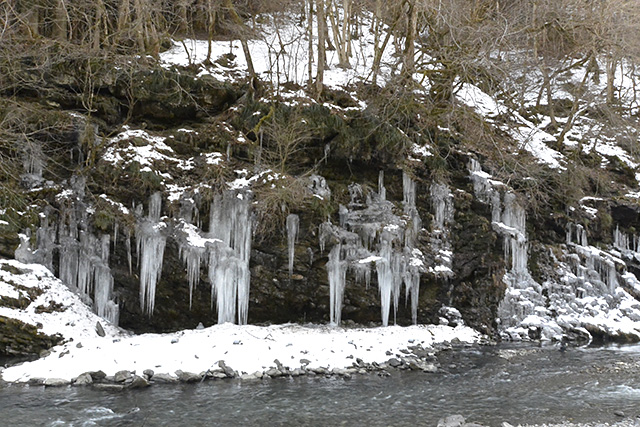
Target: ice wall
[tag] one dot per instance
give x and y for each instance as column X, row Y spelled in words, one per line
column 371, row 234
column 225, row 250
column 584, row 293
column 442, row 205
column 150, row 243
column 83, row 258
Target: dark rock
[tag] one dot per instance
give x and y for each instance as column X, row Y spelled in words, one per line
column 188, row 377
column 36, row 381
column 108, row 387
column 273, row 372
column 100, row 330
column 97, row 375
column 56, row 382
column 227, row 370
column 394, row 363
column 148, row 373
column 164, row 378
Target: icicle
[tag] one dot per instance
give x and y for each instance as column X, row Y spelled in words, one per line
column 128, row 243
column 515, row 241
column 412, row 286
column 116, row 227
column 337, row 280
column 231, row 223
column 385, row 280
column 293, row 224
column 442, row 205
column 103, row 284
column 408, row 191
column 382, row 192
column 192, row 256
column 150, row 243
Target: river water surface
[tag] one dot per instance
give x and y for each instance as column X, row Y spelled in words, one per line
column 488, row 385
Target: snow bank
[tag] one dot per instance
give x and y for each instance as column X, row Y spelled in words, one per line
column 246, row 349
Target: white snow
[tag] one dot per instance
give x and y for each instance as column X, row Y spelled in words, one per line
column 246, row 349
column 528, row 136
column 77, row 321
column 280, row 55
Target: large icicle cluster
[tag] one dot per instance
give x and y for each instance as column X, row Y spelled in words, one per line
column 150, row 243
column 369, row 232
column 508, row 219
column 83, row 257
column 226, row 251
column 442, row 203
column 588, row 293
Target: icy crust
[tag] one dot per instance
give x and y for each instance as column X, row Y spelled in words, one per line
column 68, row 316
column 246, row 349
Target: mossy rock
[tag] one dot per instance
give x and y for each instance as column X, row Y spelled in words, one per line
column 21, row 339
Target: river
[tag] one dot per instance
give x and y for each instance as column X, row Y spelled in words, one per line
column 487, row 385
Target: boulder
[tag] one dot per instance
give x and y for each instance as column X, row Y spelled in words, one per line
column 122, row 376
column 138, row 382
column 56, row 382
column 83, row 379
column 451, row 421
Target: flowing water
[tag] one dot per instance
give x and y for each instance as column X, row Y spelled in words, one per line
column 488, row 385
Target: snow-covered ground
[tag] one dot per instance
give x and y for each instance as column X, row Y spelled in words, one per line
column 246, row 349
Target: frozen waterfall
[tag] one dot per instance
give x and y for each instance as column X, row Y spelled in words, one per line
column 225, row 250
column 150, row 242
column 370, row 234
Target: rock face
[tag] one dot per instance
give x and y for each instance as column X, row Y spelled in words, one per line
column 213, row 205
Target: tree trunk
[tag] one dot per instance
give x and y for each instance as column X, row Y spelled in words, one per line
column 99, row 27
column 310, row 48
column 612, row 63
column 60, row 21
column 322, row 29
column 409, row 65
column 211, row 28
column 243, row 37
column 124, row 18
column 32, row 21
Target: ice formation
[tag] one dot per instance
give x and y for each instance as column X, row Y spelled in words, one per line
column 231, row 223
column 293, row 225
column 442, row 204
column 508, row 218
column 225, row 250
column 370, row 233
column 83, row 258
column 150, row 243
column 590, row 292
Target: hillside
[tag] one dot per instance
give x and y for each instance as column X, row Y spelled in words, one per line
column 427, row 179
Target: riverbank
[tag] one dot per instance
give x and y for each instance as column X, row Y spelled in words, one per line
column 94, row 351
